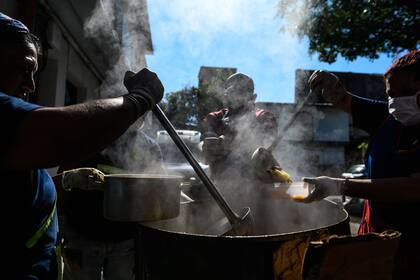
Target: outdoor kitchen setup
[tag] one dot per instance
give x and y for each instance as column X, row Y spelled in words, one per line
column 264, row 234
column 210, row 140
column 214, row 240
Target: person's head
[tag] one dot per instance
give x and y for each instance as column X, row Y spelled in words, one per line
column 403, row 88
column 19, row 51
column 239, row 92
column 403, row 76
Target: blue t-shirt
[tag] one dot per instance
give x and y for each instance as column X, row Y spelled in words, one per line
column 28, row 198
column 394, row 151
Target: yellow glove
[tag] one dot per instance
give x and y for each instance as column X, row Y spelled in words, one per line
column 83, row 178
column 280, row 175
column 266, row 168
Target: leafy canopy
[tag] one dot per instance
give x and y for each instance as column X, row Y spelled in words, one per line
column 353, row 28
column 181, row 108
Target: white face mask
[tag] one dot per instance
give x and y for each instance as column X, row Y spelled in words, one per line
column 405, row 109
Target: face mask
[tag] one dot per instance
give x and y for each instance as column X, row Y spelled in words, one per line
column 405, row 109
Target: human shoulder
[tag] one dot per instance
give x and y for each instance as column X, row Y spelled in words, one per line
column 264, row 115
column 11, row 103
column 12, row 112
column 218, row 114
column 261, row 112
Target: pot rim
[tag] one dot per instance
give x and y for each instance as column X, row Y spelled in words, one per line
column 255, row 238
column 151, row 226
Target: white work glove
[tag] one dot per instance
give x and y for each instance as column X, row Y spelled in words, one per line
column 83, row 178
column 143, row 87
column 214, row 148
column 321, row 187
column 328, row 85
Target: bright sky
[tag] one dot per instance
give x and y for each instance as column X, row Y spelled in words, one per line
column 244, row 34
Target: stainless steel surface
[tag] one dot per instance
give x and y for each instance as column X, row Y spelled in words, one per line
column 237, row 222
column 141, row 197
column 271, row 217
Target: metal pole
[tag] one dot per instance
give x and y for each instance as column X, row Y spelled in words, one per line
column 299, row 109
column 232, row 216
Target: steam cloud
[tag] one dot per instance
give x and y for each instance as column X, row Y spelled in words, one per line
column 187, row 20
column 203, row 25
column 200, row 25
column 120, row 28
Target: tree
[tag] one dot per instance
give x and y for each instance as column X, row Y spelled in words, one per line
column 363, row 28
column 181, row 108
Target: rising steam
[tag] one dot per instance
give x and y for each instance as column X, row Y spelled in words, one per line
column 122, row 28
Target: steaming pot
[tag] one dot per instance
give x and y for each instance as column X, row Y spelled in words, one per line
column 141, row 197
column 179, row 249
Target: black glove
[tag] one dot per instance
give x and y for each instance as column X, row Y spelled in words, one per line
column 144, row 87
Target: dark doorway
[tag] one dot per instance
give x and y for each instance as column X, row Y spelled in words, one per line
column 71, row 94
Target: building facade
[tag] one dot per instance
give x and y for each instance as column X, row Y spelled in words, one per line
column 321, row 139
column 82, row 41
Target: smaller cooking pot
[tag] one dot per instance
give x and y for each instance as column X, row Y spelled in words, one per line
column 141, row 197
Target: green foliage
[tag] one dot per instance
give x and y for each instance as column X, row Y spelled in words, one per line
column 353, row 28
column 181, row 108
column 209, row 98
column 211, row 90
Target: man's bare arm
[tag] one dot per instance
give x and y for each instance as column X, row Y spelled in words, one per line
column 51, row 136
column 402, row 189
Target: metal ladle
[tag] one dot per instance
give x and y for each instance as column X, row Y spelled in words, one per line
column 260, row 151
column 234, row 224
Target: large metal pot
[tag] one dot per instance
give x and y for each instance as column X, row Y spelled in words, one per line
column 179, row 248
column 141, row 197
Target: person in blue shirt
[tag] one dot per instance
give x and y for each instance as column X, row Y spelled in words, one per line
column 34, row 137
column 392, row 158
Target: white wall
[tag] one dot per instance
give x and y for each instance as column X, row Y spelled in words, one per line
column 331, row 125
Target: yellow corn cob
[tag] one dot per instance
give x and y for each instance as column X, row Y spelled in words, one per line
column 281, row 175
